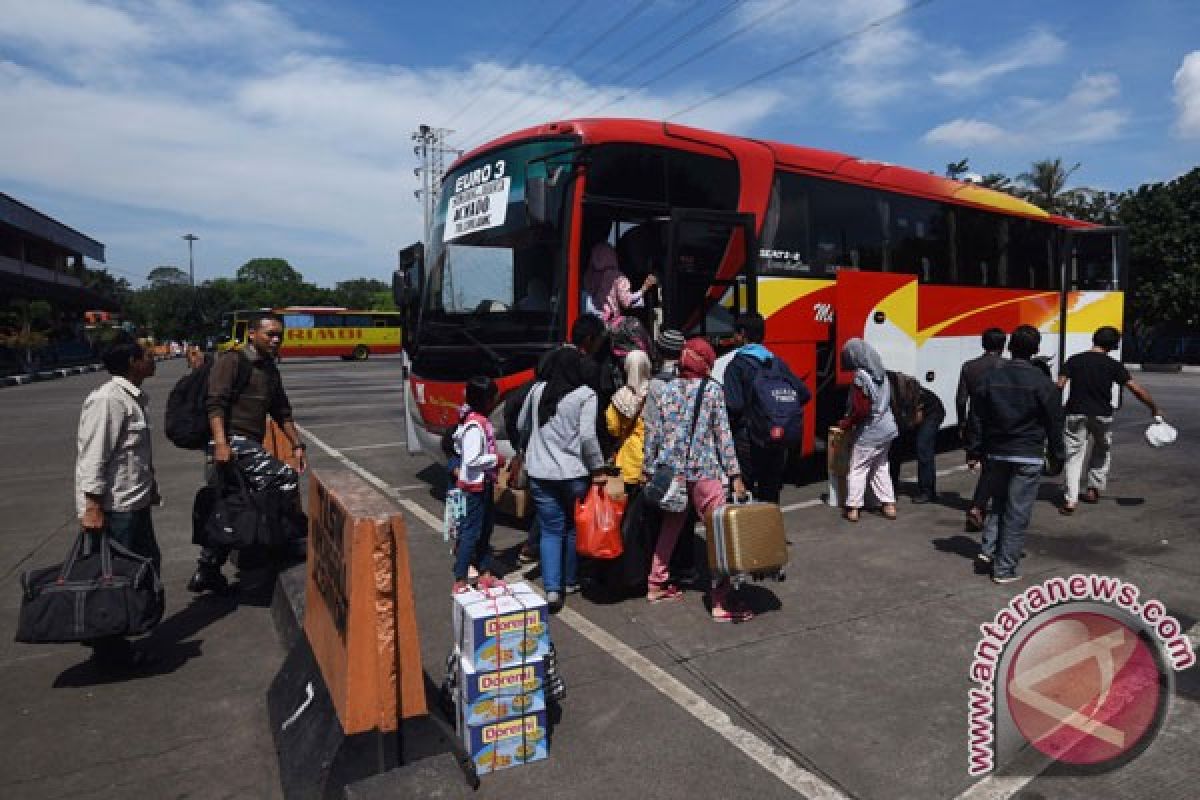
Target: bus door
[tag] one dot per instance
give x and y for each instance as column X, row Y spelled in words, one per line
column 1094, row 266
column 710, row 274
column 1094, row 276
column 881, row 308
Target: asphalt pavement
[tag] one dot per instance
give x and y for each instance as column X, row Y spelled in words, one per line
column 851, row 681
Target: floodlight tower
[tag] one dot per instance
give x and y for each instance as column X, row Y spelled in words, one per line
column 431, row 149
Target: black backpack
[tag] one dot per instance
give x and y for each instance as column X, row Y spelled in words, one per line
column 186, row 422
column 906, row 400
column 775, row 413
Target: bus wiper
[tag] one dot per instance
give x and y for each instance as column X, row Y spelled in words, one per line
column 498, row 361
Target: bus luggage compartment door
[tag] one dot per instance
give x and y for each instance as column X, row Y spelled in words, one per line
column 880, row 307
column 710, row 272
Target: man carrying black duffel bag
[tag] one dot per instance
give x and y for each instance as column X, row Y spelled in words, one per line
column 237, row 417
column 114, row 472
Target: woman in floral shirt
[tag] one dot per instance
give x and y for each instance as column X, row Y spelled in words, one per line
column 706, row 466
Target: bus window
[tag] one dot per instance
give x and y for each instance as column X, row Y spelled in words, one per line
column 327, row 320
column 698, row 181
column 357, row 320
column 628, row 172
column 1094, row 263
column 919, row 239
column 387, row 321
column 846, row 229
column 786, row 239
column 1031, row 254
column 239, row 331
column 297, row 320
column 982, row 248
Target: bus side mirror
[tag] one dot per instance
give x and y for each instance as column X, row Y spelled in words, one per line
column 544, row 197
column 409, row 277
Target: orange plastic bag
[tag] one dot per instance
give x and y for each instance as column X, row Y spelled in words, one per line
column 598, row 524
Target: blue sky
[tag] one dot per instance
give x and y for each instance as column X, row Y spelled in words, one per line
column 282, row 129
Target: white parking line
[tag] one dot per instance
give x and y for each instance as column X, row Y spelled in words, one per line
column 372, row 446
column 816, row 501
column 805, row 783
column 394, row 493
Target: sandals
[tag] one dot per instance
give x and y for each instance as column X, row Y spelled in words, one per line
column 850, row 515
column 733, row 612
column 888, row 510
column 1092, row 495
column 1066, row 510
column 661, row 594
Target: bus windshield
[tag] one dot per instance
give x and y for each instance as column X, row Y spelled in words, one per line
column 493, row 276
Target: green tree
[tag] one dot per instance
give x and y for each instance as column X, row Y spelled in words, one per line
column 1163, row 220
column 359, row 293
column 998, row 181
column 168, row 276
column 955, row 170
column 269, row 273
column 1045, row 185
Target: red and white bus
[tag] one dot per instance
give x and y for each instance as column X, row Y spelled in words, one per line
column 826, row 246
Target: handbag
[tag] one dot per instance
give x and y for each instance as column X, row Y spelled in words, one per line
column 106, row 591
column 231, row 515
column 598, row 524
column 667, row 487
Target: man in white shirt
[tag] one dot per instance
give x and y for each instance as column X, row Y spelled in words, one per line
column 114, row 471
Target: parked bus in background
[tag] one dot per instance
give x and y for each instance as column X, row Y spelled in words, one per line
column 323, row 331
column 825, row 246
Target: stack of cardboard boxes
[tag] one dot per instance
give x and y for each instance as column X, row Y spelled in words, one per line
column 502, row 638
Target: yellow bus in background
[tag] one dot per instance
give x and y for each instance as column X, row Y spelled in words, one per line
column 323, row 331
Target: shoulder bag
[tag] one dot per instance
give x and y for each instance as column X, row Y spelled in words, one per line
column 668, row 486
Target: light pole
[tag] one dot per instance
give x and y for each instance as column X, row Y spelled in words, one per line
column 191, row 237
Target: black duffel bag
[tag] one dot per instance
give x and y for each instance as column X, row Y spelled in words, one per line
column 231, row 515
column 106, row 590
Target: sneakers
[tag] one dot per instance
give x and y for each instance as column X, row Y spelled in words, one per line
column 974, row 523
column 525, row 555
column 659, row 594
column 984, row 557
column 1005, row 578
column 571, row 588
column 555, row 601
column 207, row 578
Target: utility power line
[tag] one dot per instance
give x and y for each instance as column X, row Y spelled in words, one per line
column 595, row 42
column 537, row 40
column 806, row 55
column 721, row 42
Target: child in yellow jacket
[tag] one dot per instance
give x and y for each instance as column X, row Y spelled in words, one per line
column 624, row 419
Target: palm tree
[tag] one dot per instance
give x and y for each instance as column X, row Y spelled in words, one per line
column 1045, row 185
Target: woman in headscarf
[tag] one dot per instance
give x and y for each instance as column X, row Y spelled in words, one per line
column 872, row 428
column 608, row 289
column 702, row 450
column 624, row 419
column 558, row 419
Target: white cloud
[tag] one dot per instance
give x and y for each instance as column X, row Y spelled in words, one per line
column 965, row 133
column 1187, row 96
column 296, row 151
column 1085, row 115
column 1039, row 48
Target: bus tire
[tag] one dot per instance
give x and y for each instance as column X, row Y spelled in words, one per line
column 360, row 353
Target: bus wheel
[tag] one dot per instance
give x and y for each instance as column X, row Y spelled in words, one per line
column 361, row 353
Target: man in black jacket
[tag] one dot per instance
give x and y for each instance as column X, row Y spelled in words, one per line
column 968, row 381
column 1015, row 412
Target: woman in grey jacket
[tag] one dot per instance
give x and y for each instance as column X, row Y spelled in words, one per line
column 563, row 456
